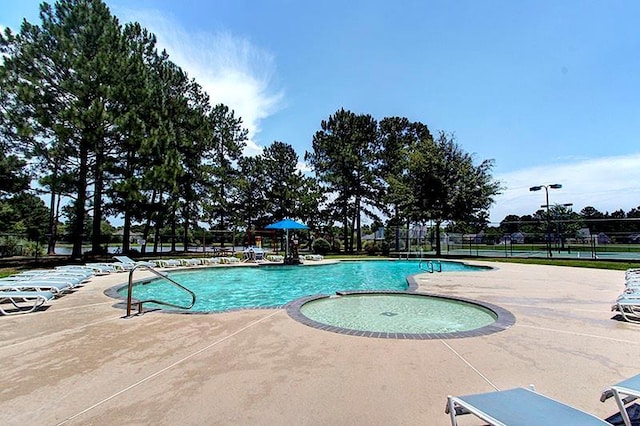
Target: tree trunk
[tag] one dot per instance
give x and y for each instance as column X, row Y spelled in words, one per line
column 157, row 226
column 51, row 244
column 345, row 227
column 77, row 228
column 185, row 231
column 173, row 232
column 438, row 248
column 147, row 226
column 407, row 245
column 126, row 232
column 96, row 233
column 358, row 229
column 352, row 230
column 397, row 230
column 221, row 215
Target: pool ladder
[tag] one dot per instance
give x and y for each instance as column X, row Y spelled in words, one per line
column 429, row 266
column 159, row 302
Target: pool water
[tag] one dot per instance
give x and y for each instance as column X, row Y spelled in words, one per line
column 223, row 289
column 398, row 313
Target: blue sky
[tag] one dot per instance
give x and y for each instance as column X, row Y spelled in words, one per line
column 548, row 89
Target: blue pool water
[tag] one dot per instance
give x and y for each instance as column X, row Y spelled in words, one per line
column 223, row 289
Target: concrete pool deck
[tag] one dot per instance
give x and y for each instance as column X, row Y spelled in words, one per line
column 79, row 362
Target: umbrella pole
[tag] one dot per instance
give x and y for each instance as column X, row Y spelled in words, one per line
column 286, row 244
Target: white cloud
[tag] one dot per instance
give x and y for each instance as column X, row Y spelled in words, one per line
column 608, row 184
column 229, row 68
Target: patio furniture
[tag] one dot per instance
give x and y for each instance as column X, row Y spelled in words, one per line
column 628, row 305
column 23, row 301
column 624, row 393
column 518, row 407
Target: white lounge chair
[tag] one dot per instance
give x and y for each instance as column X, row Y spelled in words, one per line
column 130, row 263
column 313, row 257
column 190, row 262
column 40, row 273
column 91, row 270
column 110, row 266
column 628, row 305
column 23, row 301
column 518, row 407
column 55, row 287
column 167, row 263
column 45, row 279
column 254, row 254
column 624, row 393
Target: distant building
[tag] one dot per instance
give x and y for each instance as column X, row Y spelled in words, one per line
column 515, row 238
column 603, row 238
column 583, row 235
column 474, row 238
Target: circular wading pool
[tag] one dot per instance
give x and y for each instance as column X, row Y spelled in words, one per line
column 400, row 315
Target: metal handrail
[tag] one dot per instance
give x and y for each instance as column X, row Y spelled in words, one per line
column 430, row 268
column 159, row 302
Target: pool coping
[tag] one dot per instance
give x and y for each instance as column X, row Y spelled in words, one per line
column 504, row 320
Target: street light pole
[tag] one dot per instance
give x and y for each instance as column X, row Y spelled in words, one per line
column 546, row 190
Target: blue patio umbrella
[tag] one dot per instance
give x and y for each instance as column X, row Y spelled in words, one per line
column 287, row 224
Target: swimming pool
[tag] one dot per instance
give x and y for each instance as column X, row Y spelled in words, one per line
column 232, row 288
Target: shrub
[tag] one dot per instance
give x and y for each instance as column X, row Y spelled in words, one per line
column 370, row 248
column 321, row 246
column 385, row 247
column 31, row 248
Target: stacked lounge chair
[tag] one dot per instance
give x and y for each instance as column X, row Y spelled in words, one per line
column 628, row 303
column 53, row 281
column 128, row 264
column 313, row 257
column 26, row 291
column 167, row 263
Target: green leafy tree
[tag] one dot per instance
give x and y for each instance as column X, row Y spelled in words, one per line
column 344, row 157
column 398, row 137
column 592, row 218
column 13, row 178
column 249, row 201
column 510, row 224
column 448, row 186
column 283, row 182
column 134, row 160
column 228, row 141
column 195, row 147
column 60, row 74
column 24, row 214
column 567, row 223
